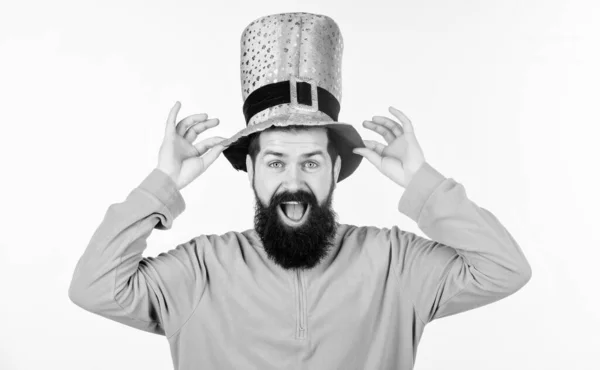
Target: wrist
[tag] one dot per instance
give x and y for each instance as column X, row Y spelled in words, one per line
column 172, row 173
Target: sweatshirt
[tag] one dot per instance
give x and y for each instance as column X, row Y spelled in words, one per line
column 223, row 304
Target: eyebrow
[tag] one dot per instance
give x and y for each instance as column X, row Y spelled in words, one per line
column 305, row 155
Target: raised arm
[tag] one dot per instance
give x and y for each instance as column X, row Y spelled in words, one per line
column 112, row 279
column 471, row 259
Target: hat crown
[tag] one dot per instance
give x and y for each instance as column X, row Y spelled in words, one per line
column 291, row 73
column 281, row 47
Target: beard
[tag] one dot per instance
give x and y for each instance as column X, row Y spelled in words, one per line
column 296, row 247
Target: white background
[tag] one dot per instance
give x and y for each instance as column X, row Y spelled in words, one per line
column 503, row 96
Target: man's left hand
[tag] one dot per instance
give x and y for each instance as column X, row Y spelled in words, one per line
column 402, row 157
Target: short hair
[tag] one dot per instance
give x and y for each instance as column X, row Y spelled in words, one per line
column 254, row 142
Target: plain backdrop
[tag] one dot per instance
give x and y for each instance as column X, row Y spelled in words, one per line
column 503, row 96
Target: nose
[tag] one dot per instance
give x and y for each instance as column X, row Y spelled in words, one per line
column 293, row 178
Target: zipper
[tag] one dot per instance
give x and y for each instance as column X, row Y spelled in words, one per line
column 301, row 299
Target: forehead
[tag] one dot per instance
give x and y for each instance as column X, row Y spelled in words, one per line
column 291, row 142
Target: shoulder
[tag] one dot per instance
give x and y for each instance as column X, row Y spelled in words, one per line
column 380, row 246
column 367, row 234
column 227, row 245
column 228, row 239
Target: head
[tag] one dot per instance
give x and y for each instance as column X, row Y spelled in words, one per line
column 296, row 164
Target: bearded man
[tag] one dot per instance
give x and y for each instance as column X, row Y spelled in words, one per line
column 300, row 289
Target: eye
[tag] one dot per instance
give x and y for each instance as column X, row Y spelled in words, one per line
column 274, row 162
column 314, row 163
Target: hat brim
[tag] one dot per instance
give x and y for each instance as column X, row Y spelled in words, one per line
column 344, row 136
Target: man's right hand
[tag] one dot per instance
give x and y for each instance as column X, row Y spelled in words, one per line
column 179, row 157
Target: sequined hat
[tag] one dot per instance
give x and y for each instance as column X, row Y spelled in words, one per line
column 291, row 75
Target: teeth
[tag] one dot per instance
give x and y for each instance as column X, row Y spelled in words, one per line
column 291, row 202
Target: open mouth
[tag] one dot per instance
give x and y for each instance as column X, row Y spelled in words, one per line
column 294, row 212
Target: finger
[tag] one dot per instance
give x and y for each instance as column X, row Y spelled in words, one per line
column 197, row 128
column 390, row 124
column 382, row 130
column 212, row 155
column 170, row 127
column 185, row 123
column 370, row 155
column 375, row 146
column 206, row 144
column 406, row 123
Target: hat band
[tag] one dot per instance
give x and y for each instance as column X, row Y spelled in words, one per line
column 279, row 93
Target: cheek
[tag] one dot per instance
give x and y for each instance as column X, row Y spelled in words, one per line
column 264, row 187
column 321, row 187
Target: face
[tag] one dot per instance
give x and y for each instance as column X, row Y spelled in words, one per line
column 293, row 181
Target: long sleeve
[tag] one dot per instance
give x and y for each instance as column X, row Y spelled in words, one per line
column 112, row 279
column 471, row 259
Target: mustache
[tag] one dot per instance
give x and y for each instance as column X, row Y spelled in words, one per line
column 298, row 196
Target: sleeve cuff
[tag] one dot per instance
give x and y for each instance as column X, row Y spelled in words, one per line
column 422, row 185
column 164, row 189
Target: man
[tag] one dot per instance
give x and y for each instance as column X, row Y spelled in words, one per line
column 299, row 290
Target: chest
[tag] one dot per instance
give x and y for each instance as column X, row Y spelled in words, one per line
column 344, row 300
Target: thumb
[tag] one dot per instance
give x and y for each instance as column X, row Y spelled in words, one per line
column 370, row 155
column 206, row 144
column 212, row 155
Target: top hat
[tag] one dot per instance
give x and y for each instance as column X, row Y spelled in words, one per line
column 291, row 75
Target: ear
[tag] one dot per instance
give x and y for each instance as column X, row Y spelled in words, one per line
column 337, row 167
column 249, row 168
